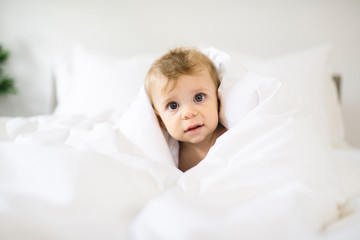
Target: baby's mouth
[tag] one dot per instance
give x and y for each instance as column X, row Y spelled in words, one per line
column 193, row 127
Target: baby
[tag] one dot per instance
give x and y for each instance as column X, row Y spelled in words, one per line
column 182, row 86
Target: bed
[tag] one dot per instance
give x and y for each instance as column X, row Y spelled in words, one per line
column 100, row 167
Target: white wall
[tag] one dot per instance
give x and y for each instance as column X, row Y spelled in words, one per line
column 37, row 31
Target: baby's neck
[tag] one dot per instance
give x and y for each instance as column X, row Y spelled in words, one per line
column 191, row 154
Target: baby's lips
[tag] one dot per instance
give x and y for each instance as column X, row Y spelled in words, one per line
column 193, row 126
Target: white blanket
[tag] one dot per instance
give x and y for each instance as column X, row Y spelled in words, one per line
column 270, row 176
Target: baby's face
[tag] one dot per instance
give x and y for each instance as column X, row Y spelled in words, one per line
column 189, row 111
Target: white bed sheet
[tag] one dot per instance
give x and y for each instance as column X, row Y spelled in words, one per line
column 106, row 177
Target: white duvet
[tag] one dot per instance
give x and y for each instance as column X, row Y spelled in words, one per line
column 111, row 176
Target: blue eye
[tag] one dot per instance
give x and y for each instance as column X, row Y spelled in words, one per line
column 172, row 105
column 199, row 97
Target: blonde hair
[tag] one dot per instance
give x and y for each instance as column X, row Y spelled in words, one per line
column 178, row 62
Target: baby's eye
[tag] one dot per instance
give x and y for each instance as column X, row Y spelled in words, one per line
column 199, row 97
column 172, row 105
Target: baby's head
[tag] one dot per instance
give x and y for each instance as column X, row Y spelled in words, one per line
column 178, row 62
column 182, row 87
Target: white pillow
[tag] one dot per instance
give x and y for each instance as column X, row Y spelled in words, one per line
column 308, row 73
column 99, row 83
column 63, row 77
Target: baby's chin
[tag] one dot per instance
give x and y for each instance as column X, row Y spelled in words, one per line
column 194, row 140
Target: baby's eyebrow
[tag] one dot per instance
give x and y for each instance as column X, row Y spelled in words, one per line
column 168, row 100
column 202, row 89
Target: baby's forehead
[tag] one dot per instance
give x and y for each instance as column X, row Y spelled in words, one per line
column 163, row 85
column 170, row 83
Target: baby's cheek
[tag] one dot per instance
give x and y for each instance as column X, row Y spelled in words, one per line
column 167, row 124
column 173, row 128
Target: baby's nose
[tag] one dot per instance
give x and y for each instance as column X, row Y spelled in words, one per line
column 189, row 112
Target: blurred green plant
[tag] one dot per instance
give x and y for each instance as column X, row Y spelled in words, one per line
column 7, row 84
